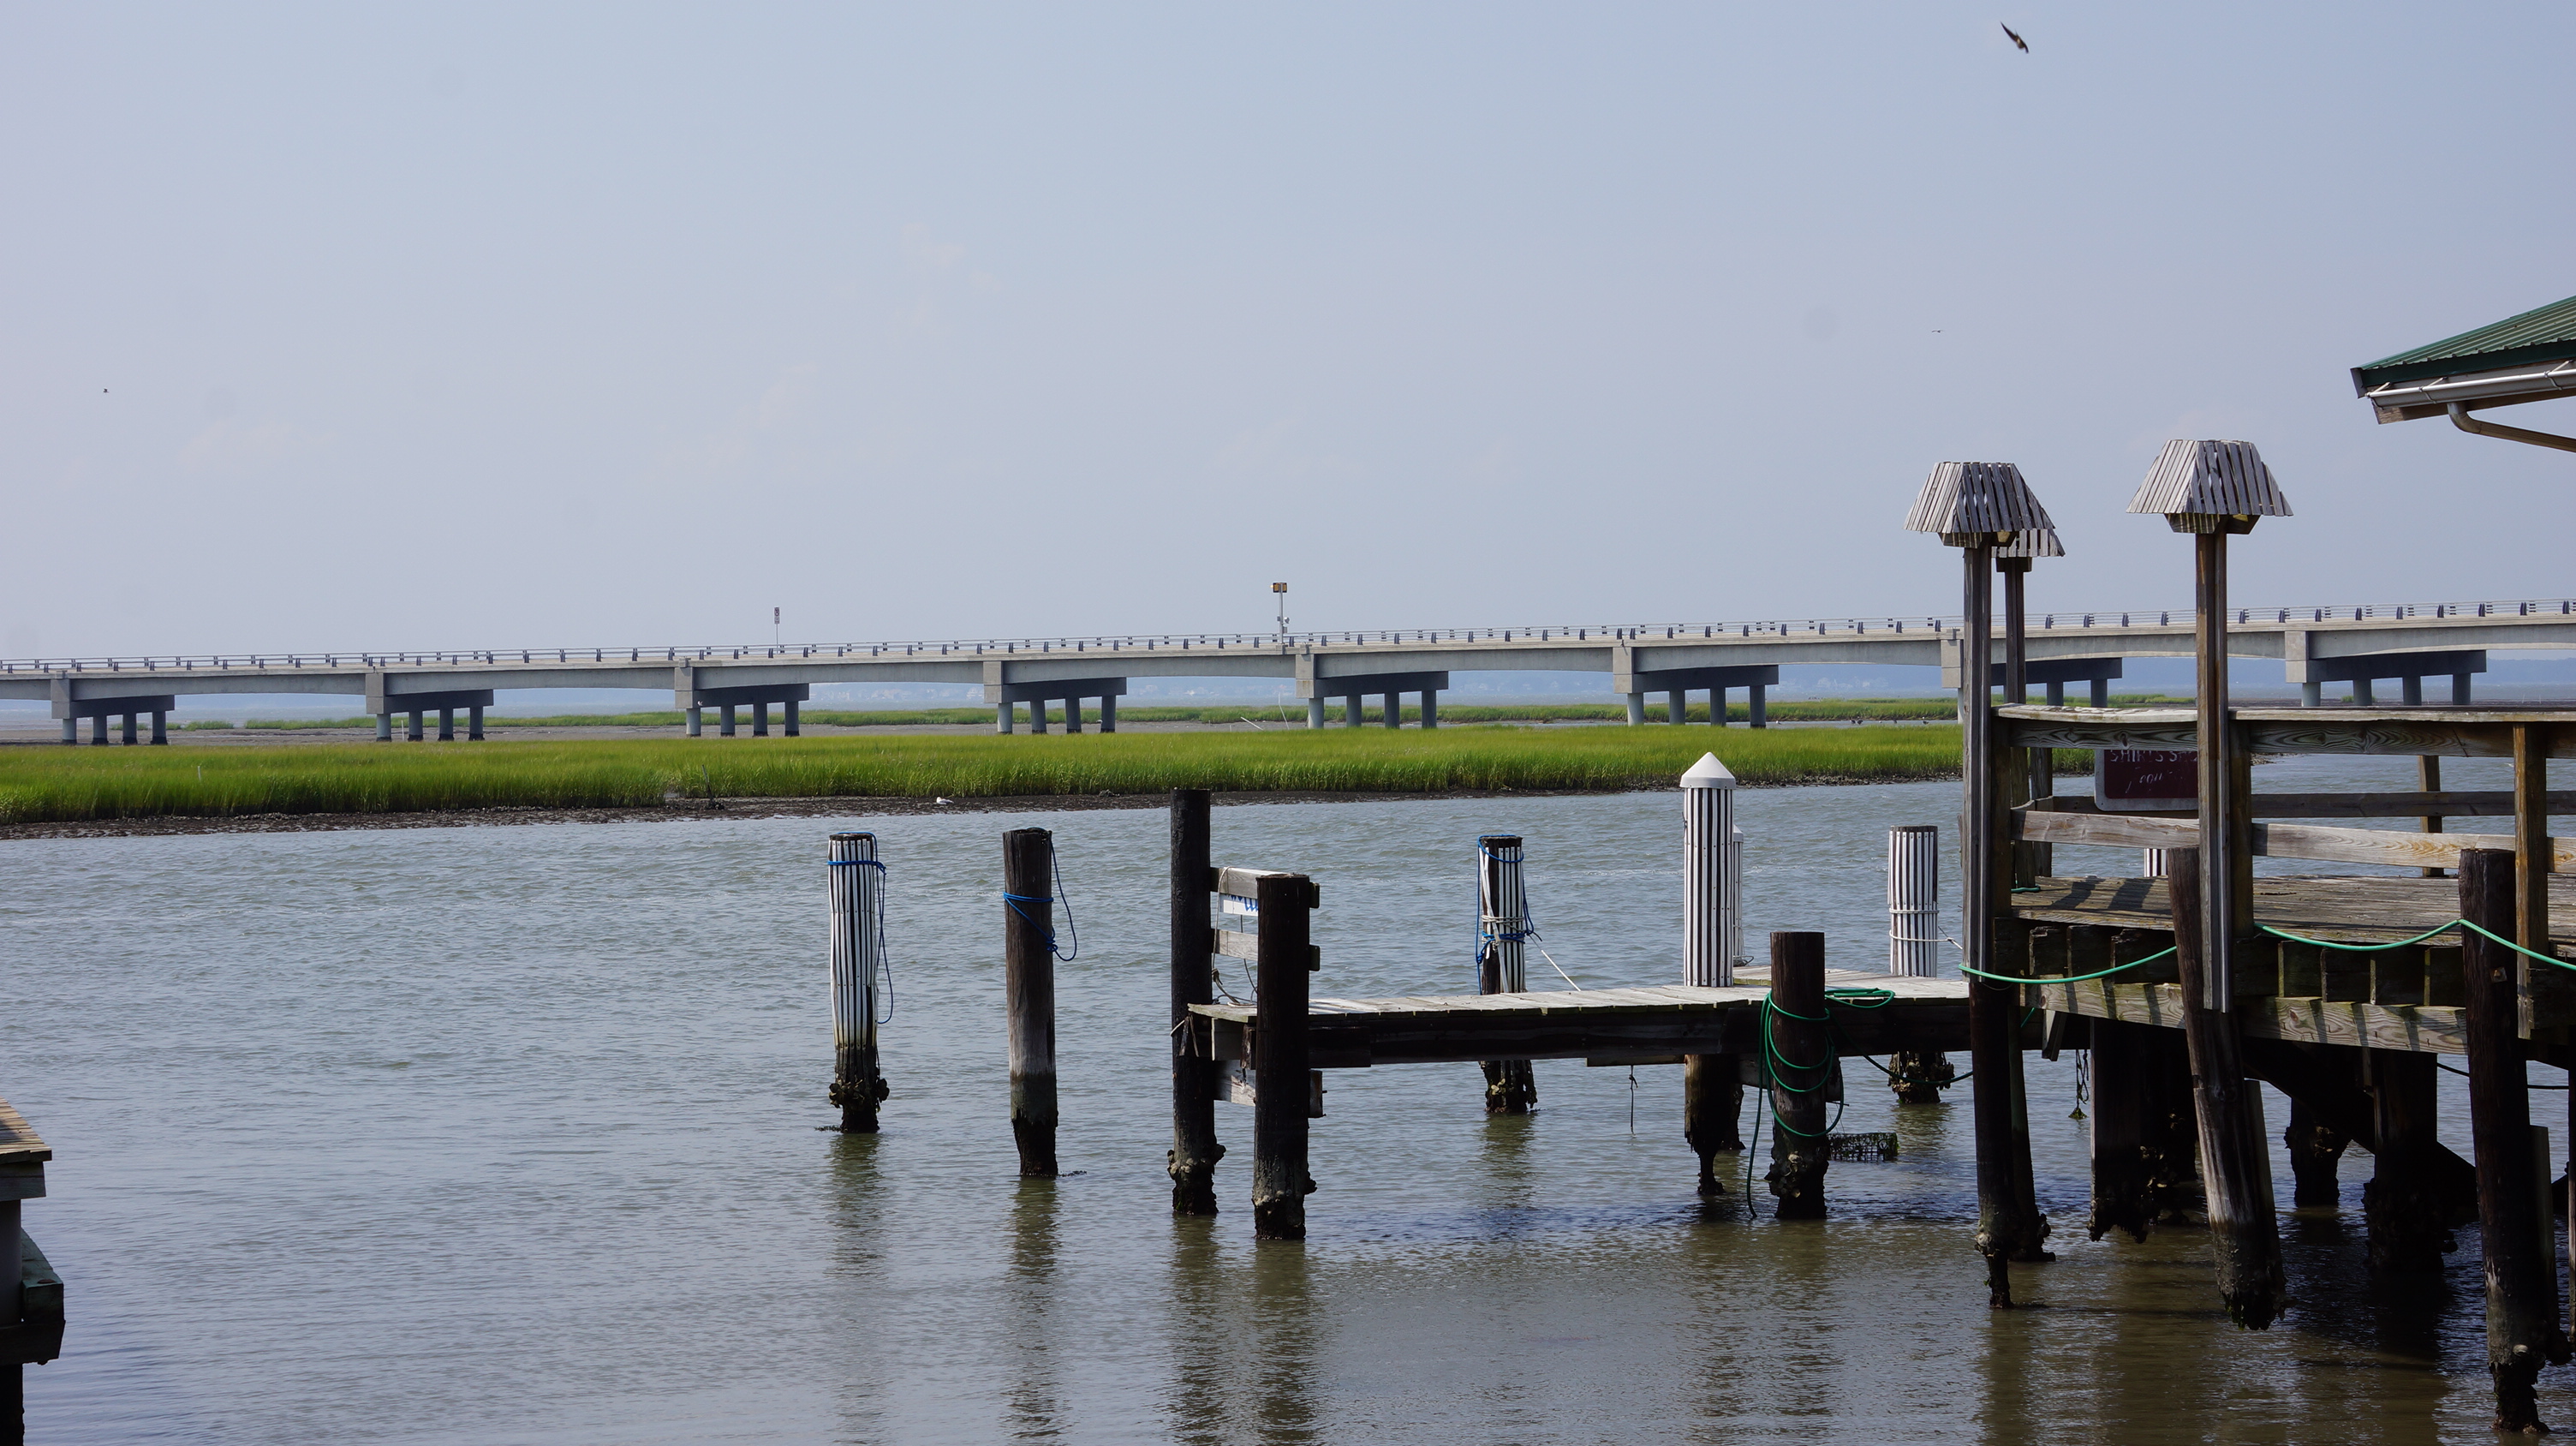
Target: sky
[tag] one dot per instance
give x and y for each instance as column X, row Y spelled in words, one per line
column 483, row 326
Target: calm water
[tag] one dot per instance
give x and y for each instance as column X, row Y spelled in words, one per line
column 509, row 1135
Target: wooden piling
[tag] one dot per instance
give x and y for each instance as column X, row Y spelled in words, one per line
column 2004, row 1227
column 1502, row 965
column 857, row 883
column 2402, row 1205
column 1195, row 1151
column 1281, row 1062
column 1028, row 988
column 2121, row 1115
column 2522, row 1304
column 2235, row 1164
column 1712, row 1113
column 2316, row 1148
column 1800, row 1047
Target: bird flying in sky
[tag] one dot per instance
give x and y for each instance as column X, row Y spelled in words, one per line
column 2017, row 40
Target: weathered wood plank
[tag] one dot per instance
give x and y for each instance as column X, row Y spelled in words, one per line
column 2496, row 803
column 2431, row 731
column 2318, row 843
column 2418, row 1029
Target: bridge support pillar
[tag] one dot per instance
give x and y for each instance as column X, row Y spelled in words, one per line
column 2459, row 687
column 160, row 727
column 98, row 731
column 384, row 728
column 1314, row 712
column 759, row 720
column 1677, row 704
column 1073, row 715
column 1395, row 710
column 71, row 731
column 2363, row 696
column 474, row 723
column 125, row 729
column 411, row 729
column 794, row 726
column 1757, row 705
column 2312, row 695
column 1430, row 707
column 2057, row 695
column 1037, row 715
column 1006, row 717
column 1109, row 713
column 725, row 724
column 446, row 725
column 1636, row 710
column 1353, row 715
column 697, row 722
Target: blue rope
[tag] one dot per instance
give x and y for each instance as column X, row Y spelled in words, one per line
column 1485, row 938
column 1015, row 900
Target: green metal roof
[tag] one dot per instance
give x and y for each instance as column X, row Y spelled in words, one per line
column 2545, row 335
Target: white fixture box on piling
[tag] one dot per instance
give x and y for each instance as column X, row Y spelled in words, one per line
column 1914, row 900
column 1712, row 876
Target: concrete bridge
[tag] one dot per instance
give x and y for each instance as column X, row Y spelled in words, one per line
column 2357, row 644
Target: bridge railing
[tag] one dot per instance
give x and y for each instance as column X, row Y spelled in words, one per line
column 1273, row 642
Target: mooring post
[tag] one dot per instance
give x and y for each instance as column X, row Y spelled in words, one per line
column 1799, row 1046
column 2522, row 1286
column 1913, row 943
column 2235, row 1164
column 1712, row 938
column 2006, row 1229
column 2316, row 1148
column 2123, row 1193
column 2401, row 1208
column 1281, row 1085
column 858, row 944
column 1028, row 985
column 1502, row 964
column 1195, row 1151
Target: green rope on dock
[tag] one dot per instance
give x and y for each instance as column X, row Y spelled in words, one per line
column 2420, row 938
column 2068, row 978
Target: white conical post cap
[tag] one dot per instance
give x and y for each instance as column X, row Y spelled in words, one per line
column 1708, row 773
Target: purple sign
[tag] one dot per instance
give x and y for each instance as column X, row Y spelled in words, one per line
column 2146, row 779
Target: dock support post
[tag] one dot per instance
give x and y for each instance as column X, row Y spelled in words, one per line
column 1502, row 966
column 411, row 732
column 792, row 727
column 1281, row 1085
column 2400, row 1206
column 2532, row 857
column 1712, row 936
column 1636, row 710
column 2428, row 779
column 1028, row 987
column 1315, row 711
column 2122, row 1116
column 725, row 722
column 384, row 728
column 858, row 903
column 2235, row 1163
column 160, row 727
column 2522, row 1288
column 2009, row 1226
column 474, row 723
column 1800, row 1048
column 446, row 725
column 2316, row 1148
column 1195, row 1151
column 1757, row 705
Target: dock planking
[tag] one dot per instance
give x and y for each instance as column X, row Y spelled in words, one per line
column 1634, row 1025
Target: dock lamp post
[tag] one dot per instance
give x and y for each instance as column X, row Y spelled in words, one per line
column 2212, row 491
column 1979, row 507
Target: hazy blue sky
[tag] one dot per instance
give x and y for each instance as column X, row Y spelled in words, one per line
column 348, row 326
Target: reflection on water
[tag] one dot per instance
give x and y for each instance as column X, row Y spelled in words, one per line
column 508, row 1135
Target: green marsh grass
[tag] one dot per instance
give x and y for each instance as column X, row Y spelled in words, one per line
column 41, row 785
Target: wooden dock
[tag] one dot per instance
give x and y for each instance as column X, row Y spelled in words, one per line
column 1654, row 1025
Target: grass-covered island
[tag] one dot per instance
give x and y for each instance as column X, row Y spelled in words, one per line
column 60, row 785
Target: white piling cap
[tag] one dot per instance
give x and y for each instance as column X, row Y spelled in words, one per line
column 1708, row 773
